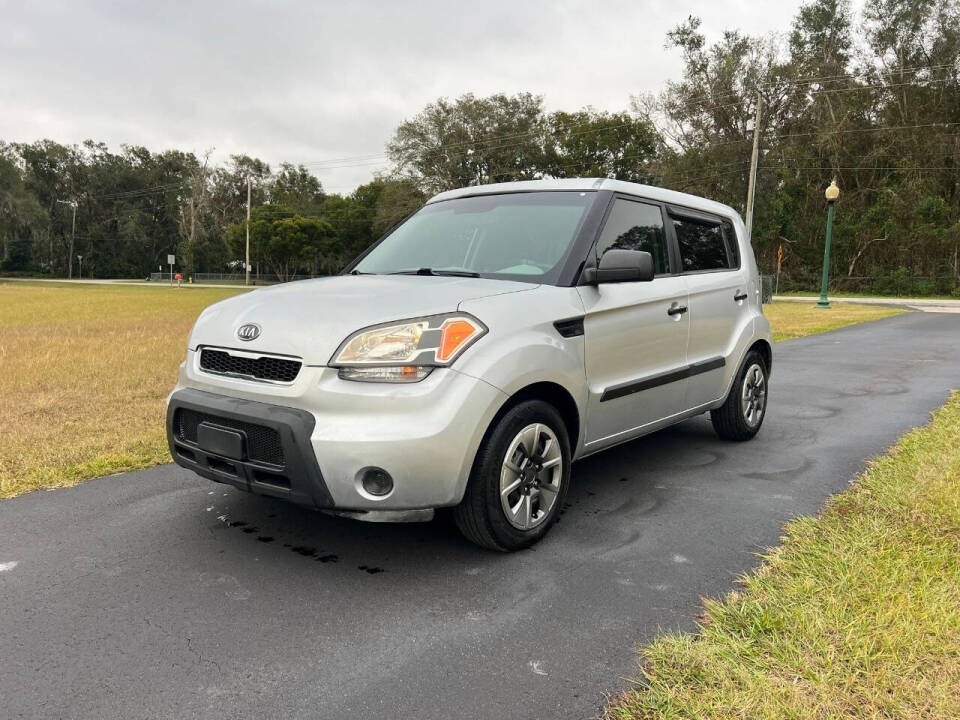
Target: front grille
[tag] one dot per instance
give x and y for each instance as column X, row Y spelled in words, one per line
column 263, row 443
column 258, row 368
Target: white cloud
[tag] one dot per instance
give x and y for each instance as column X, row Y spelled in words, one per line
column 309, row 80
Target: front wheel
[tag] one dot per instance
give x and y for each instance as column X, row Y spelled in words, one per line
column 741, row 415
column 519, row 479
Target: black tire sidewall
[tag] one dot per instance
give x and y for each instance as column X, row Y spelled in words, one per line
column 490, row 460
column 733, row 401
column 753, row 358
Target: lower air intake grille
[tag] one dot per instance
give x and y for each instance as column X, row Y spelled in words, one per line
column 263, row 443
column 258, row 368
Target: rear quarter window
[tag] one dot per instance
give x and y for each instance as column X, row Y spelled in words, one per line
column 733, row 247
column 703, row 246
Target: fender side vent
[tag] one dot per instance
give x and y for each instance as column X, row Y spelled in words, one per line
column 571, row 327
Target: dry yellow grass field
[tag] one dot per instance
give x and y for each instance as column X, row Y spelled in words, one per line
column 85, row 370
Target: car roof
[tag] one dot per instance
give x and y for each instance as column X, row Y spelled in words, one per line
column 649, row 192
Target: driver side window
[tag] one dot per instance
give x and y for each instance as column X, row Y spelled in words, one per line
column 635, row 225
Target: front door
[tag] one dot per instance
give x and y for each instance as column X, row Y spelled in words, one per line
column 635, row 333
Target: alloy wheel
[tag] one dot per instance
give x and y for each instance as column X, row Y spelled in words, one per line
column 753, row 398
column 530, row 476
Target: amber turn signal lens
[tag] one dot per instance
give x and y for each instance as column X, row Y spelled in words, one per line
column 454, row 333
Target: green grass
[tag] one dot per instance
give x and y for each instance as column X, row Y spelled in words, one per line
column 855, row 615
column 793, row 319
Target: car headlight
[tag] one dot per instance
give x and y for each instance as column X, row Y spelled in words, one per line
column 406, row 351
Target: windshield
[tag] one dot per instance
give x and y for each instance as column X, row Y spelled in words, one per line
column 517, row 236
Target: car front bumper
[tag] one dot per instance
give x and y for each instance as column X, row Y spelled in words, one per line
column 308, row 442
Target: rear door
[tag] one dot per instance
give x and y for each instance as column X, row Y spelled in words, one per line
column 635, row 332
column 716, row 282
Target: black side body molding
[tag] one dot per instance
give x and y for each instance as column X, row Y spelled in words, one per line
column 635, row 386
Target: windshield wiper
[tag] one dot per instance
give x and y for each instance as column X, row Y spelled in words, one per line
column 431, row 271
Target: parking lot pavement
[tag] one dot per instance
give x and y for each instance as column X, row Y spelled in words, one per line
column 158, row 594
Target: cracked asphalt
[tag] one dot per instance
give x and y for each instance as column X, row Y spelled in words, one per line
column 157, row 594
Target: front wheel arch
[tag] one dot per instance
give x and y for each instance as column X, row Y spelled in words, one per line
column 552, row 394
column 481, row 515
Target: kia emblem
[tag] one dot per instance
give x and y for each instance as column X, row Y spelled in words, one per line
column 250, row 331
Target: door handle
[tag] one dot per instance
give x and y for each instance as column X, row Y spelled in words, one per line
column 740, row 296
column 676, row 310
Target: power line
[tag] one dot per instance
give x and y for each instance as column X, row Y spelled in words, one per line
column 484, row 144
column 846, row 76
column 123, row 195
column 865, row 167
column 145, row 192
column 363, row 160
column 812, row 80
column 480, row 144
column 859, row 130
column 715, row 176
column 884, row 86
column 689, row 103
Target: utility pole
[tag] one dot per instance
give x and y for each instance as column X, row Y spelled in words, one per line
column 246, row 265
column 73, row 230
column 752, row 185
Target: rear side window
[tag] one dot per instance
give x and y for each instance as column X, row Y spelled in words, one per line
column 636, row 226
column 702, row 246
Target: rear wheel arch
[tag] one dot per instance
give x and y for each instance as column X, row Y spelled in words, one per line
column 741, row 414
column 766, row 352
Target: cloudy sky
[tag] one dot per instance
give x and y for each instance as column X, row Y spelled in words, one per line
column 315, row 81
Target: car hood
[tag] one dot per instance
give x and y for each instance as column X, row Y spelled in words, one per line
column 311, row 318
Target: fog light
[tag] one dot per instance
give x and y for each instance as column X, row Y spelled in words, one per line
column 376, row 481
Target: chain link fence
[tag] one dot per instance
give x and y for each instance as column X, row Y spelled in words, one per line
column 891, row 283
column 766, row 289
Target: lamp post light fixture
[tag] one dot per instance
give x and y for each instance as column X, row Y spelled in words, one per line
column 832, row 193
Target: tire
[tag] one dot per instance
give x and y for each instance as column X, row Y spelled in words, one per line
column 527, row 453
column 742, row 413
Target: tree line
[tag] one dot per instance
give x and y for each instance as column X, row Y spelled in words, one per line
column 870, row 99
column 134, row 207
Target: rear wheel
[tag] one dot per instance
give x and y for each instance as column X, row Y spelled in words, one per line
column 519, row 479
column 741, row 415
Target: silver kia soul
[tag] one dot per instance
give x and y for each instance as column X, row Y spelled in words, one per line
column 472, row 354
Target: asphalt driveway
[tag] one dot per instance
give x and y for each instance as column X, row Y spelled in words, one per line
column 159, row 594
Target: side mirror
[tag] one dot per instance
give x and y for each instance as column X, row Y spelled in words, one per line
column 618, row 266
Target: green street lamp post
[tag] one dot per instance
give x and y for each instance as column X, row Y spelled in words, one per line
column 832, row 193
